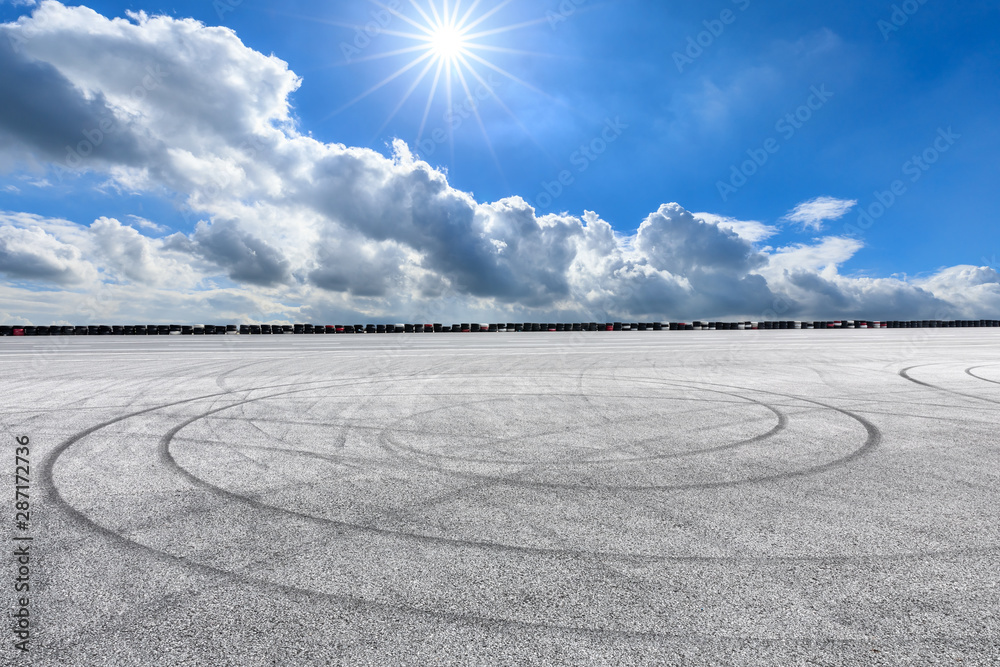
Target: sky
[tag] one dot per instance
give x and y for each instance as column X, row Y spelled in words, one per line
column 545, row 160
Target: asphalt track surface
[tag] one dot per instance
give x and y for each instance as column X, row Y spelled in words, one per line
column 688, row 498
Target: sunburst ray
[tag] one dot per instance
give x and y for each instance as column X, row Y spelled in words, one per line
column 450, row 48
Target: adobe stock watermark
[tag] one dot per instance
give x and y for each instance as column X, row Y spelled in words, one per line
column 581, row 159
column 787, row 127
column 900, row 16
column 779, row 308
column 704, row 40
column 46, row 352
column 563, row 12
column 25, row 32
column 914, row 169
column 914, row 340
column 456, row 116
column 223, row 7
column 94, row 137
column 366, row 34
column 250, row 149
column 97, row 304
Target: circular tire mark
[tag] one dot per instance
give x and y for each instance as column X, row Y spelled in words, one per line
column 874, row 438
column 781, row 425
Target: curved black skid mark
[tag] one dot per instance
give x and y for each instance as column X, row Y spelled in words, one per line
column 81, row 519
column 968, row 371
column 872, row 442
column 905, row 374
column 541, row 551
column 47, row 466
column 781, row 425
column 167, row 458
column 48, row 481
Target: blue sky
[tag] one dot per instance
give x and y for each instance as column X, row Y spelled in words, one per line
column 739, row 111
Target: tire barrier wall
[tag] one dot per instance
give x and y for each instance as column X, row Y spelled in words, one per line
column 302, row 329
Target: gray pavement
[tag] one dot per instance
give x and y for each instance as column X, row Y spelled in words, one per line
column 688, row 498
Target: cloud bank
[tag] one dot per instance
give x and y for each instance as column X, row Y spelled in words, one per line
column 287, row 227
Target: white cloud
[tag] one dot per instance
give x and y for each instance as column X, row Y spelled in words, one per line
column 973, row 290
column 294, row 228
column 813, row 213
column 823, row 256
column 31, row 253
column 147, row 224
column 751, row 230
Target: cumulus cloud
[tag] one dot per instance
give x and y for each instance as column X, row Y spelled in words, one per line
column 973, row 290
column 34, row 248
column 157, row 101
column 813, row 213
column 289, row 227
column 44, row 112
column 33, row 254
column 247, row 258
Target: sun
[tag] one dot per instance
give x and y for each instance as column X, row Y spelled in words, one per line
column 447, row 42
column 449, row 46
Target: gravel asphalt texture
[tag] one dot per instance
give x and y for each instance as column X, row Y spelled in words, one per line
column 676, row 498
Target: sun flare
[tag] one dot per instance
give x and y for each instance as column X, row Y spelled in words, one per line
column 450, row 46
column 447, row 42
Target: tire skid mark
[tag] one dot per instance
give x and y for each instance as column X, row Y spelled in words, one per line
column 631, row 558
column 637, row 558
column 81, row 519
column 905, row 374
column 406, row 514
column 396, row 429
column 167, row 458
column 48, row 481
column 968, row 371
column 343, row 599
column 296, row 452
column 872, row 442
column 47, row 477
column 779, row 427
column 220, row 380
